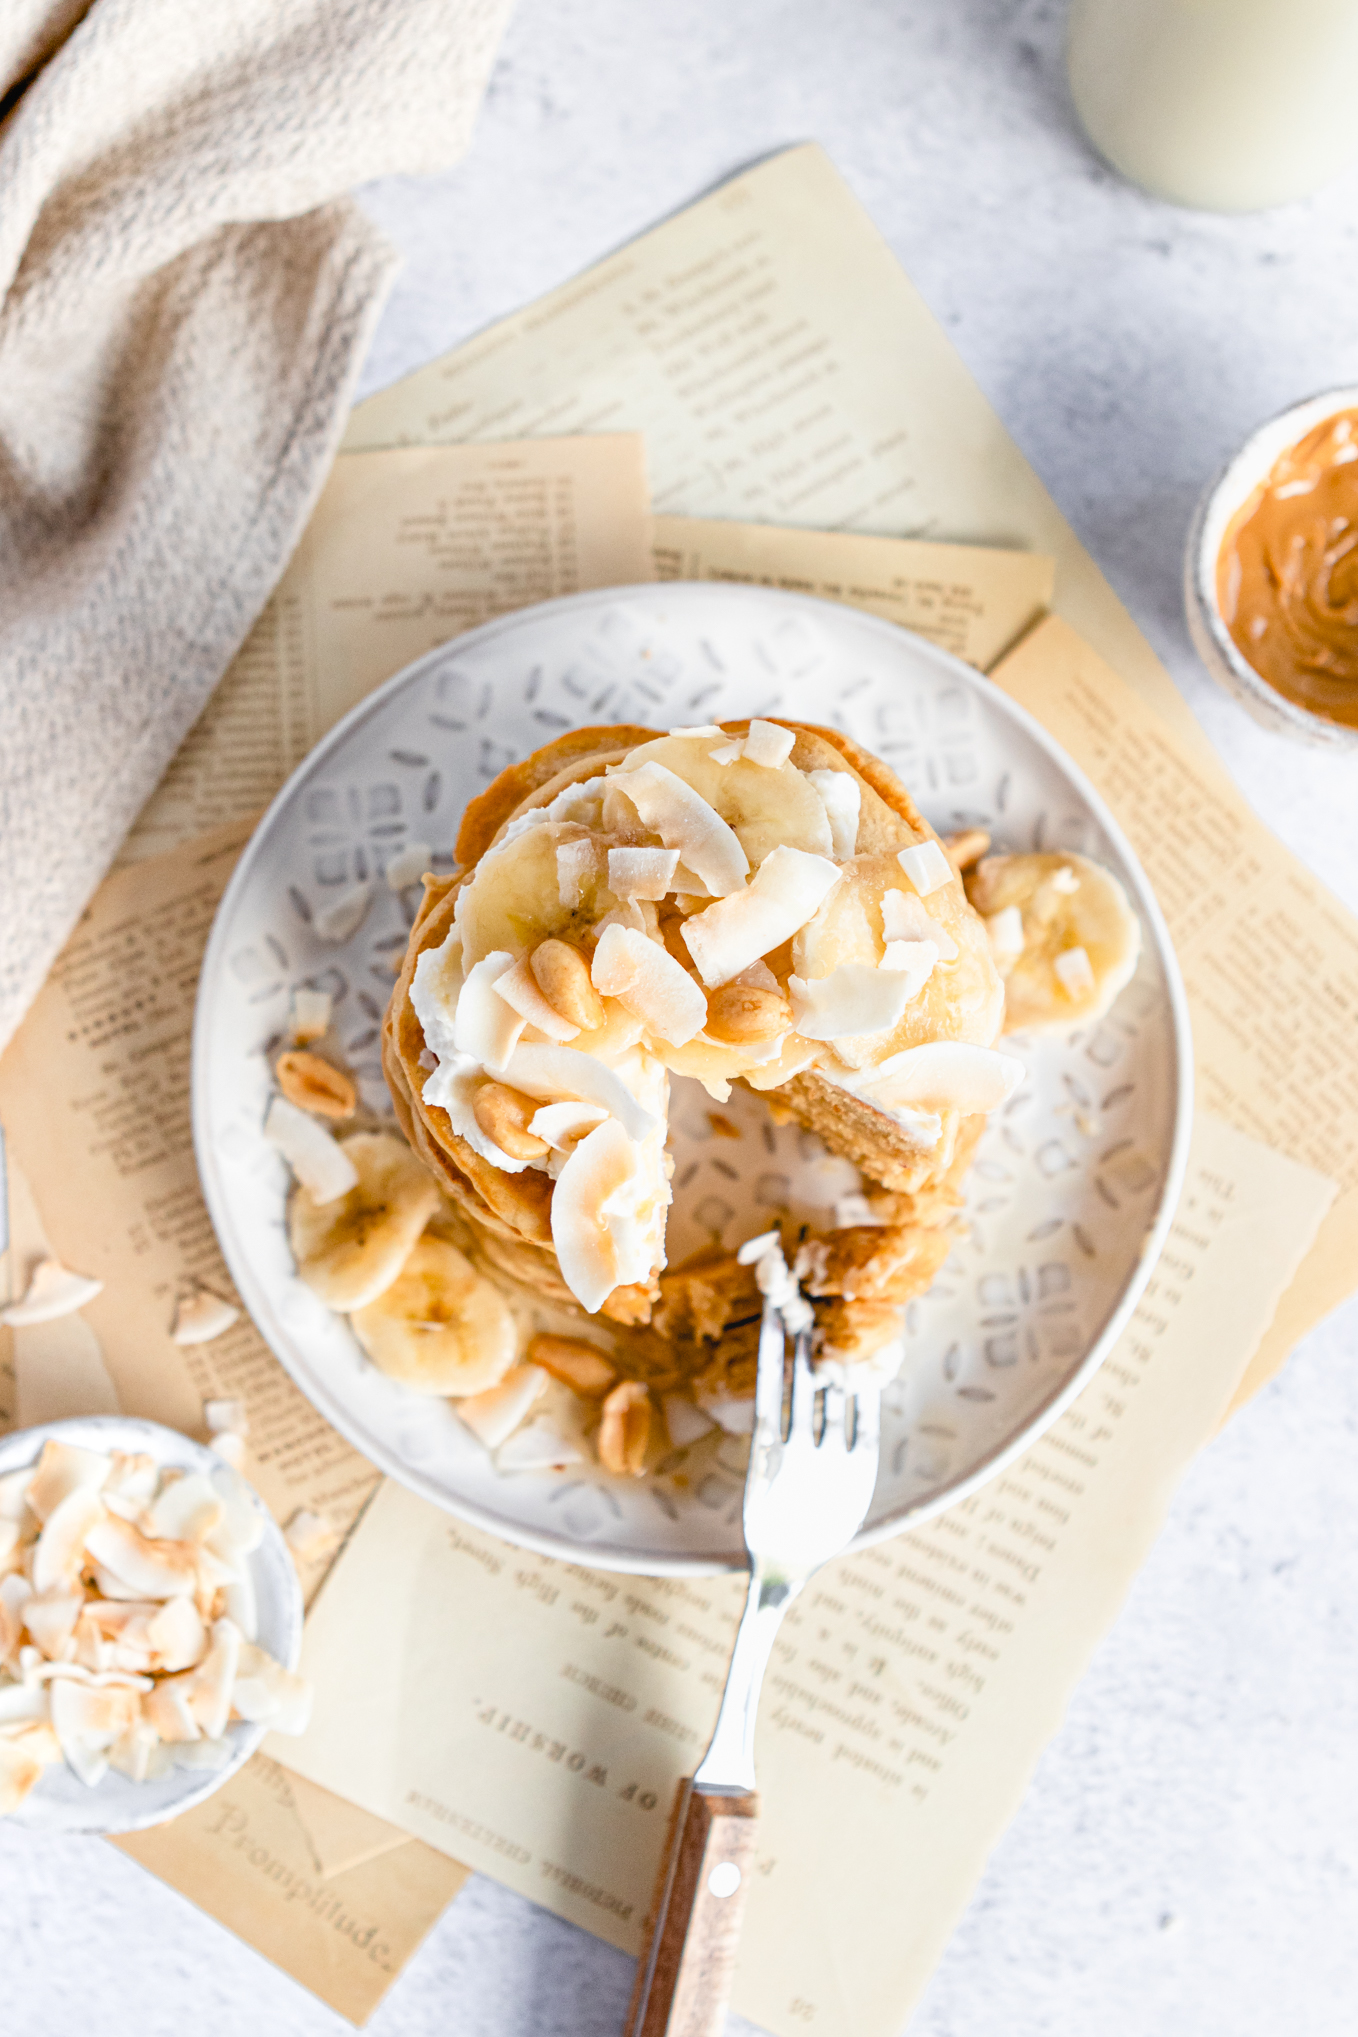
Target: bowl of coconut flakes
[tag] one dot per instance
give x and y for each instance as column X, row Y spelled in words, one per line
column 150, row 1625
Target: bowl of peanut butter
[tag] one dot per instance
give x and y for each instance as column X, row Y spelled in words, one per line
column 1271, row 572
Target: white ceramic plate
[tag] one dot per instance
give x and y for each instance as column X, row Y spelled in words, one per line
column 61, row 1802
column 1074, row 1184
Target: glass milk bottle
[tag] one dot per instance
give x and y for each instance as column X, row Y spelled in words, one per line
column 1230, row 105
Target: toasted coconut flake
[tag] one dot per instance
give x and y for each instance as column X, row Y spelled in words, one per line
column 408, row 865
column 587, row 1249
column 554, row 1073
column 309, row 1018
column 133, row 1478
column 546, row 1442
column 707, row 728
column 13, row 1494
column 151, row 1569
column 210, row 1691
column 944, row 1075
column 685, row 1421
column 201, row 1316
column 52, row 1291
column 168, row 1709
column 733, row 1413
column 35, row 1737
column 853, row 999
column 843, row 802
column 785, row 892
column 769, row 745
column 926, row 866
column 87, row 1720
column 648, row 982
column 311, row 1537
column 61, row 1470
column 559, row 1125
column 242, row 1529
column 20, row 1772
column 1075, row 971
column 176, row 1635
column 11, row 1627
column 729, row 752
column 684, row 821
column 59, row 1555
column 239, row 1603
column 315, row 1157
column 50, row 1617
column 915, row 960
column 493, row 1415
column 185, row 1511
column 22, row 1702
column 344, row 914
column 264, row 1691
column 519, row 989
column 641, row 873
column 204, row 1754
column 484, row 1025
column 905, row 917
column 131, row 1755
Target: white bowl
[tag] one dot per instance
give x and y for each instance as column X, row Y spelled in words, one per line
column 1206, row 625
column 61, row 1802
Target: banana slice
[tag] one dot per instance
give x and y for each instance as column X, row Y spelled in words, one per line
column 348, row 1251
column 440, row 1327
column 1064, row 937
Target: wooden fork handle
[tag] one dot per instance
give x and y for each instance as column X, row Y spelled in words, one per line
column 688, row 1963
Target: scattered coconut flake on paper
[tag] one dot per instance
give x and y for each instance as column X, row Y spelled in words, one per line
column 53, row 1291
column 201, row 1316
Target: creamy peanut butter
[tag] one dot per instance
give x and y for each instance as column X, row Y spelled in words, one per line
column 1287, row 572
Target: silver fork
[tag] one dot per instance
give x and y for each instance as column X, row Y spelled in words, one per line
column 813, row 1465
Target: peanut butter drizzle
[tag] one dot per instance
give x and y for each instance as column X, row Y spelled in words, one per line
column 1287, row 572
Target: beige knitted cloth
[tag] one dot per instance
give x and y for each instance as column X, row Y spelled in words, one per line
column 184, row 305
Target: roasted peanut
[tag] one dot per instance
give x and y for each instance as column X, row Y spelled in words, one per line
column 578, row 1365
column 315, row 1084
column 741, row 1012
column 562, row 975
column 503, row 1115
column 966, row 848
column 625, row 1432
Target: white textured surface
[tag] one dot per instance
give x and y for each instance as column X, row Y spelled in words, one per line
column 1187, row 1859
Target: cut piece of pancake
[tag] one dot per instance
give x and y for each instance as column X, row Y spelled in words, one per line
column 759, row 902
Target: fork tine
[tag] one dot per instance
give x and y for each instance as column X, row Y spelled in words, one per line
column 837, row 1405
column 867, row 1417
column 803, row 1386
column 768, row 1386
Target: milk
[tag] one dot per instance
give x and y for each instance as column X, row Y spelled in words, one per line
column 1230, row 105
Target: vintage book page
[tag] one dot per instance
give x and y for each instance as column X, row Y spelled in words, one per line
column 785, row 371
column 971, row 600
column 1269, row 956
column 94, row 1099
column 403, row 551
column 532, row 1717
column 250, row 1858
